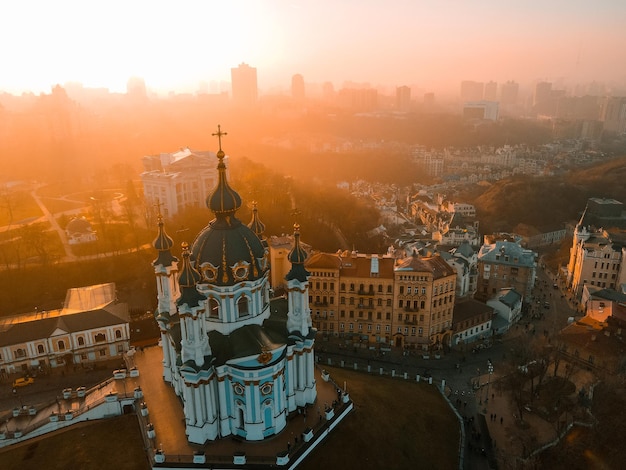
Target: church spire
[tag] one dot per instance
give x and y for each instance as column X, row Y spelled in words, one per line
column 187, row 280
column 255, row 224
column 224, row 201
column 297, row 256
column 163, row 244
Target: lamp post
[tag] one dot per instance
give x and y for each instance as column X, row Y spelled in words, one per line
column 490, row 370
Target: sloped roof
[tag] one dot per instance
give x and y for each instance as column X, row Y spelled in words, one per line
column 435, row 265
column 321, row 260
column 469, row 308
column 22, row 332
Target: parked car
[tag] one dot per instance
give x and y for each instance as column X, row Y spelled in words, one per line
column 23, row 381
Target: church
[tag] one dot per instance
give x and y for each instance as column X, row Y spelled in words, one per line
column 239, row 360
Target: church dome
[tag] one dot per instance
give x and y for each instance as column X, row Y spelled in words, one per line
column 226, row 251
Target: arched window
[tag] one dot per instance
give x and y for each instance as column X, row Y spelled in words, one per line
column 81, row 341
column 214, row 308
column 40, row 349
column 118, row 334
column 100, row 338
column 61, row 345
column 242, row 306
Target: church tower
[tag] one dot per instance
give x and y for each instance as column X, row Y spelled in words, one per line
column 239, row 361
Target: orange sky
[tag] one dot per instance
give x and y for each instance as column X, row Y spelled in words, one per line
column 432, row 44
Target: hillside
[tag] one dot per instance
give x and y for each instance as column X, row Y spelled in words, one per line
column 546, row 203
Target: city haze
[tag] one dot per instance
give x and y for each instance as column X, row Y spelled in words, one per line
column 428, row 45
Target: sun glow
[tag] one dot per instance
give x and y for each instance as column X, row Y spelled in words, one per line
column 103, row 46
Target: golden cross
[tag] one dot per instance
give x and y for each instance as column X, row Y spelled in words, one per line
column 219, row 135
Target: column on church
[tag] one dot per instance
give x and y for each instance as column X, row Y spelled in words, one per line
column 301, row 371
column 211, row 401
column 190, row 411
column 278, row 393
column 290, row 375
column 198, row 406
column 311, row 367
column 165, row 345
column 223, row 410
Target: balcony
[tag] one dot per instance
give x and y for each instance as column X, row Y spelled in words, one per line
column 366, row 292
column 320, row 304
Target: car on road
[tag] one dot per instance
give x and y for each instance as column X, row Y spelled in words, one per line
column 23, row 381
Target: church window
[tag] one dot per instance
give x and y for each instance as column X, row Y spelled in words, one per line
column 238, row 389
column 40, row 349
column 20, row 353
column 118, row 334
column 266, row 388
column 214, row 308
column 81, row 341
column 61, row 345
column 242, row 306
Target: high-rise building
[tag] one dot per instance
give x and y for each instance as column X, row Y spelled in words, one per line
column 244, row 85
column 297, row 87
column 491, row 91
column 509, row 92
column 403, row 98
column 614, row 114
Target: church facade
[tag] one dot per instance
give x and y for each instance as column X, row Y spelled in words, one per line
column 239, row 360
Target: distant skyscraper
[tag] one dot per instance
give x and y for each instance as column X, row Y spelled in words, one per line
column 509, row 92
column 491, row 91
column 403, row 98
column 328, row 91
column 297, row 87
column 542, row 92
column 244, row 84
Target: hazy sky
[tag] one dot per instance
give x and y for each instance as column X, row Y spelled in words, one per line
column 174, row 45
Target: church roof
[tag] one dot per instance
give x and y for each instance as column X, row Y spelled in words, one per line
column 163, row 244
column 297, row 256
column 22, row 332
column 226, row 251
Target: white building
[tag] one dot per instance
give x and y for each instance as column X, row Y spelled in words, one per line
column 239, row 361
column 91, row 327
column 508, row 307
column 177, row 180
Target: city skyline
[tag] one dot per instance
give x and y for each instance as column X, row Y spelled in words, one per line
column 429, row 45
